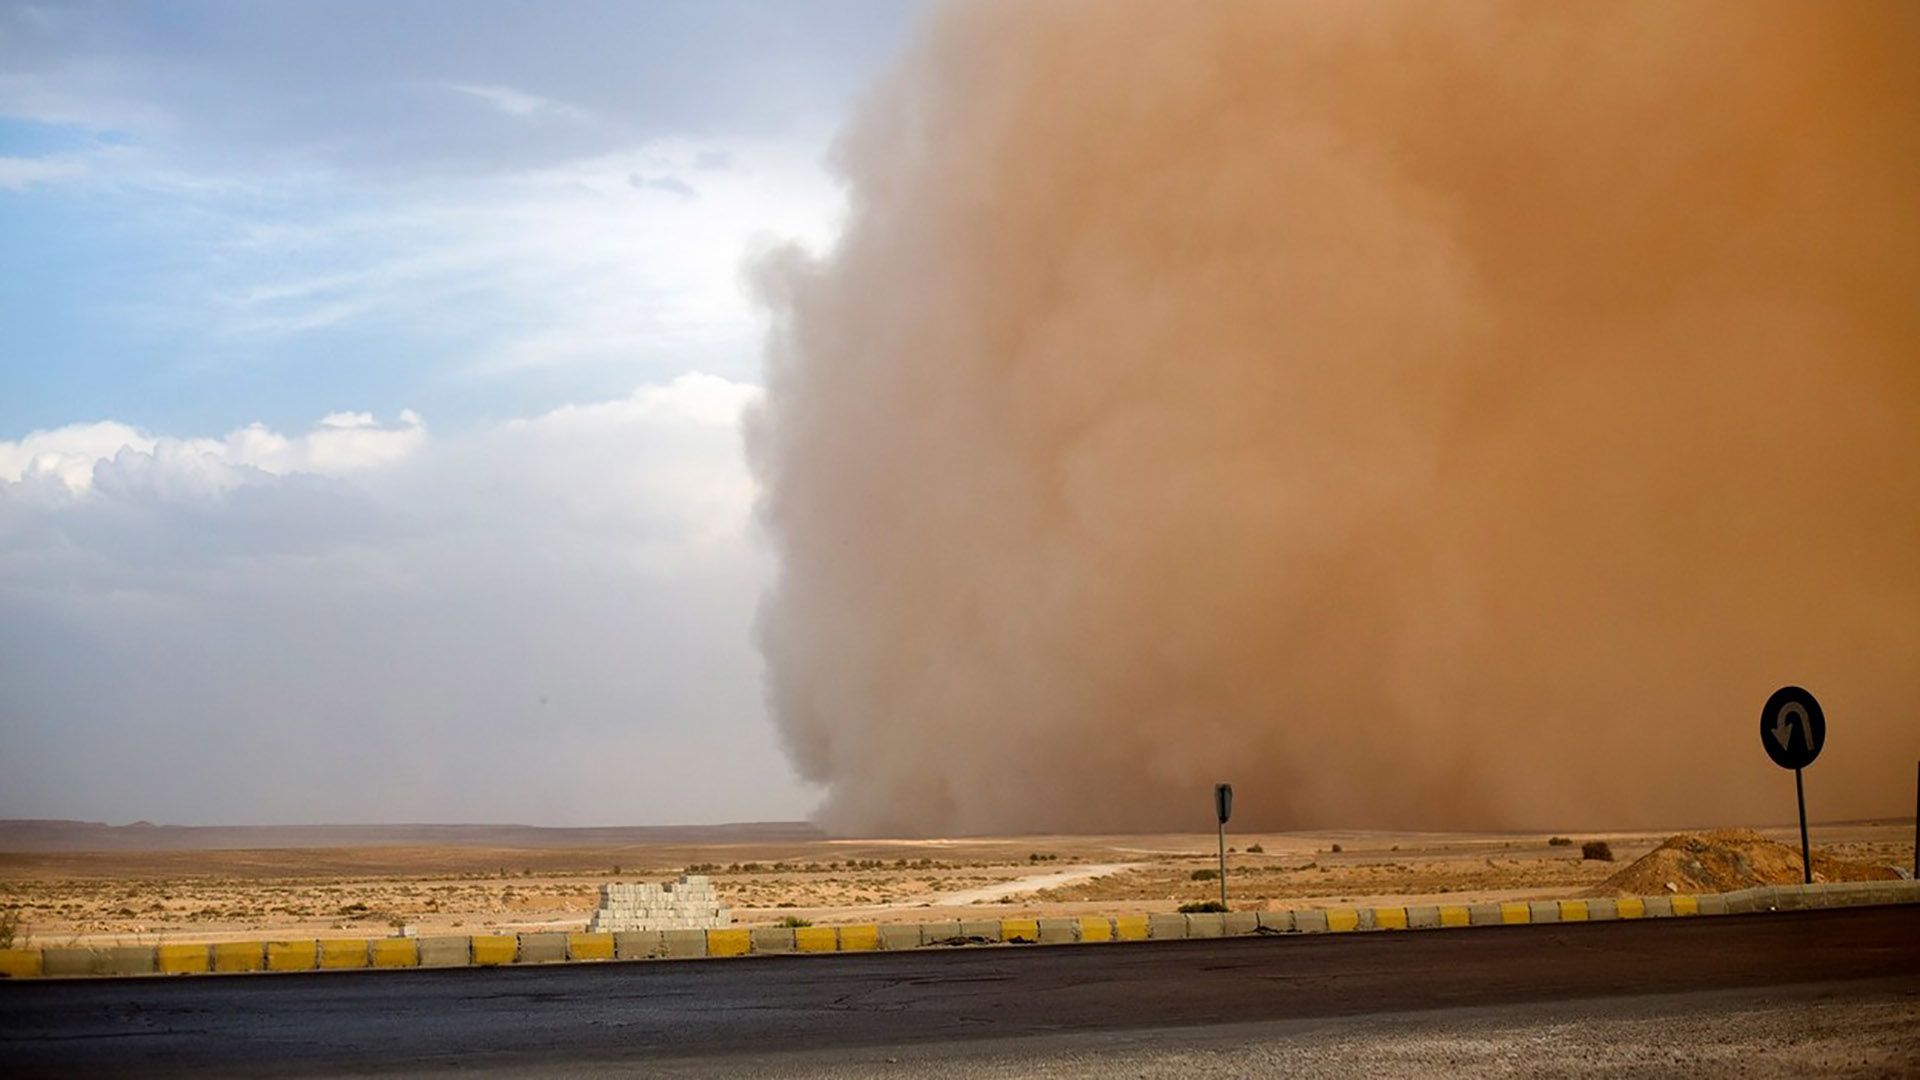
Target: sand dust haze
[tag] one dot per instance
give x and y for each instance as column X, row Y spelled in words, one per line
column 1421, row 415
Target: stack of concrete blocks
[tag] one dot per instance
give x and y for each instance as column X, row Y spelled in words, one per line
column 687, row 904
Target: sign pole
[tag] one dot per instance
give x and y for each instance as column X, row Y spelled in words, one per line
column 1916, row 821
column 1223, row 864
column 1806, row 854
column 1222, row 810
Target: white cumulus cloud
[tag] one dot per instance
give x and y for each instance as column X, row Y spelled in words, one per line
column 370, row 621
column 339, row 445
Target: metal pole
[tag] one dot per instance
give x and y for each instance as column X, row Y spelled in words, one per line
column 1916, row 821
column 1806, row 853
column 1223, row 864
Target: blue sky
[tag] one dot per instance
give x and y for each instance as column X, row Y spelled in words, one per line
column 226, row 212
column 370, row 378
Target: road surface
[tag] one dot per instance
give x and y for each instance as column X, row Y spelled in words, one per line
column 786, row 1015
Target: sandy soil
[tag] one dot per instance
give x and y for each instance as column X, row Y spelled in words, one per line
column 125, row 896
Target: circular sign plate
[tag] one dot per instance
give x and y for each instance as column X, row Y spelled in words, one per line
column 1792, row 728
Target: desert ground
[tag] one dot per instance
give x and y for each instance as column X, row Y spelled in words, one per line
column 363, row 890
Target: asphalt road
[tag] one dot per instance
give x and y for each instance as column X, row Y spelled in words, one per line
column 594, row 1016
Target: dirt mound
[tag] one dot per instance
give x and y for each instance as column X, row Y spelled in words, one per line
column 1724, row 860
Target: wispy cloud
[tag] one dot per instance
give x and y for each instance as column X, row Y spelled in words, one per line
column 20, row 173
column 522, row 104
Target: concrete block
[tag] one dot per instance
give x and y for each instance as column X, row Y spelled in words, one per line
column 124, row 960
column 864, row 937
column 490, row 950
column 293, row 955
column 1657, row 907
column 1389, row 918
column 733, row 942
column 1130, row 927
column 1310, row 921
column 547, row 947
column 1713, row 904
column 769, row 939
column 981, row 929
column 814, row 939
column 66, row 961
column 395, row 952
column 1276, row 921
column 454, row 950
column 1573, row 910
column 1542, row 911
column 1630, row 907
column 20, row 963
column 239, row 956
column 1456, row 915
column 680, row 944
column 1843, row 896
column 1487, row 914
column 1019, row 931
column 1058, row 931
column 1166, row 926
column 182, row 959
column 1343, row 919
column 1685, row 905
column 1739, row 901
column 1240, row 923
column 638, row 945
column 1206, row 924
column 336, row 953
column 939, row 933
column 589, row 946
column 1423, row 917
column 1823, row 893
column 899, row 936
column 1515, row 913
column 1096, row 928
column 1602, row 909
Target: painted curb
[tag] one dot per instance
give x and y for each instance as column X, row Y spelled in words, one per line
column 490, row 950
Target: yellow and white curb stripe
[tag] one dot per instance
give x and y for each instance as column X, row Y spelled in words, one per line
column 486, row 950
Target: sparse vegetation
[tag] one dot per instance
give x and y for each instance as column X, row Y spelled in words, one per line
column 793, row 922
column 1042, row 856
column 193, row 895
column 1560, row 841
column 1201, row 907
column 1203, row 875
column 1255, row 849
column 1337, row 849
column 9, row 927
column 1598, row 850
